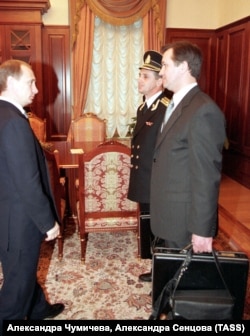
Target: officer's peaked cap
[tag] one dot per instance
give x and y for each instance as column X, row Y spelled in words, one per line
column 152, row 61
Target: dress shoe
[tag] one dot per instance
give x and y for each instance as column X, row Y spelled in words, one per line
column 146, row 277
column 54, row 310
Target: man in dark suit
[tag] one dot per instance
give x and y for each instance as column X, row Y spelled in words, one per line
column 148, row 120
column 187, row 161
column 27, row 208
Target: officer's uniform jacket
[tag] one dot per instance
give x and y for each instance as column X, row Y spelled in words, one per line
column 143, row 141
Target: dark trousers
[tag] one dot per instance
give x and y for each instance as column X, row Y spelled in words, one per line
column 146, row 236
column 21, row 296
column 148, row 240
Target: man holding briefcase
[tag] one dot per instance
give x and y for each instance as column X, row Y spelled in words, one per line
column 187, row 160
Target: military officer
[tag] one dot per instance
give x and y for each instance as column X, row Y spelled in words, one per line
column 149, row 118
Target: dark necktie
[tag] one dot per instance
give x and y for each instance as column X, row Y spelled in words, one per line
column 144, row 108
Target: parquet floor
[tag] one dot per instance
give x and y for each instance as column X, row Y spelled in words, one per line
column 234, row 214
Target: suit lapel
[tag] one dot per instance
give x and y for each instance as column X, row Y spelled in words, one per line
column 176, row 114
column 15, row 109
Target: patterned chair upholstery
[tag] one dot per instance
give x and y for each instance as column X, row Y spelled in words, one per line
column 103, row 183
column 38, row 126
column 88, row 127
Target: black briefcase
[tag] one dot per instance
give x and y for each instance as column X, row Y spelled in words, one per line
column 202, row 273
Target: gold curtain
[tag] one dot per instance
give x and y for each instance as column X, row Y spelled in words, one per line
column 116, row 12
column 120, row 12
column 154, row 25
column 82, row 57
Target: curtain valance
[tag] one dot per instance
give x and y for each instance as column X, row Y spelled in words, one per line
column 120, row 12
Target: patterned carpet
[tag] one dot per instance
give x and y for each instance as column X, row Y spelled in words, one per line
column 107, row 286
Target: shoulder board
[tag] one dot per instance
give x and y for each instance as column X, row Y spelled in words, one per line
column 165, row 101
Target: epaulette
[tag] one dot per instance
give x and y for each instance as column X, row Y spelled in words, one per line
column 165, row 101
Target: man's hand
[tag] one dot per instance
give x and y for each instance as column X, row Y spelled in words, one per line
column 53, row 233
column 202, row 244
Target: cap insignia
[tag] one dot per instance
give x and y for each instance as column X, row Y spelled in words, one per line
column 148, row 59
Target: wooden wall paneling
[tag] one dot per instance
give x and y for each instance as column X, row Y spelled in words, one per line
column 246, row 92
column 23, row 41
column 36, row 63
column 2, row 42
column 56, row 71
column 36, row 6
column 219, row 66
column 235, row 78
column 203, row 38
column 233, row 50
column 225, row 77
column 20, row 28
column 237, row 166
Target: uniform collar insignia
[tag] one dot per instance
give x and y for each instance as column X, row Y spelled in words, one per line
column 154, row 106
column 142, row 105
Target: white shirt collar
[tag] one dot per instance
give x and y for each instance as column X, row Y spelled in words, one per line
column 178, row 96
column 150, row 101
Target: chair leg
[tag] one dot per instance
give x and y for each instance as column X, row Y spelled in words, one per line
column 60, row 240
column 138, row 246
column 83, row 242
column 60, row 247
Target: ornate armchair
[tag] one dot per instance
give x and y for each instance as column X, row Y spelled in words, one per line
column 88, row 127
column 103, row 183
column 38, row 126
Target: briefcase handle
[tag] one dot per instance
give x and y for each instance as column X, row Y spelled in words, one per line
column 164, row 297
column 219, row 268
column 186, row 262
column 171, row 286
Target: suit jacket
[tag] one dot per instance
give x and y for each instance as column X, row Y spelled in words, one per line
column 186, row 170
column 142, row 148
column 27, row 207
